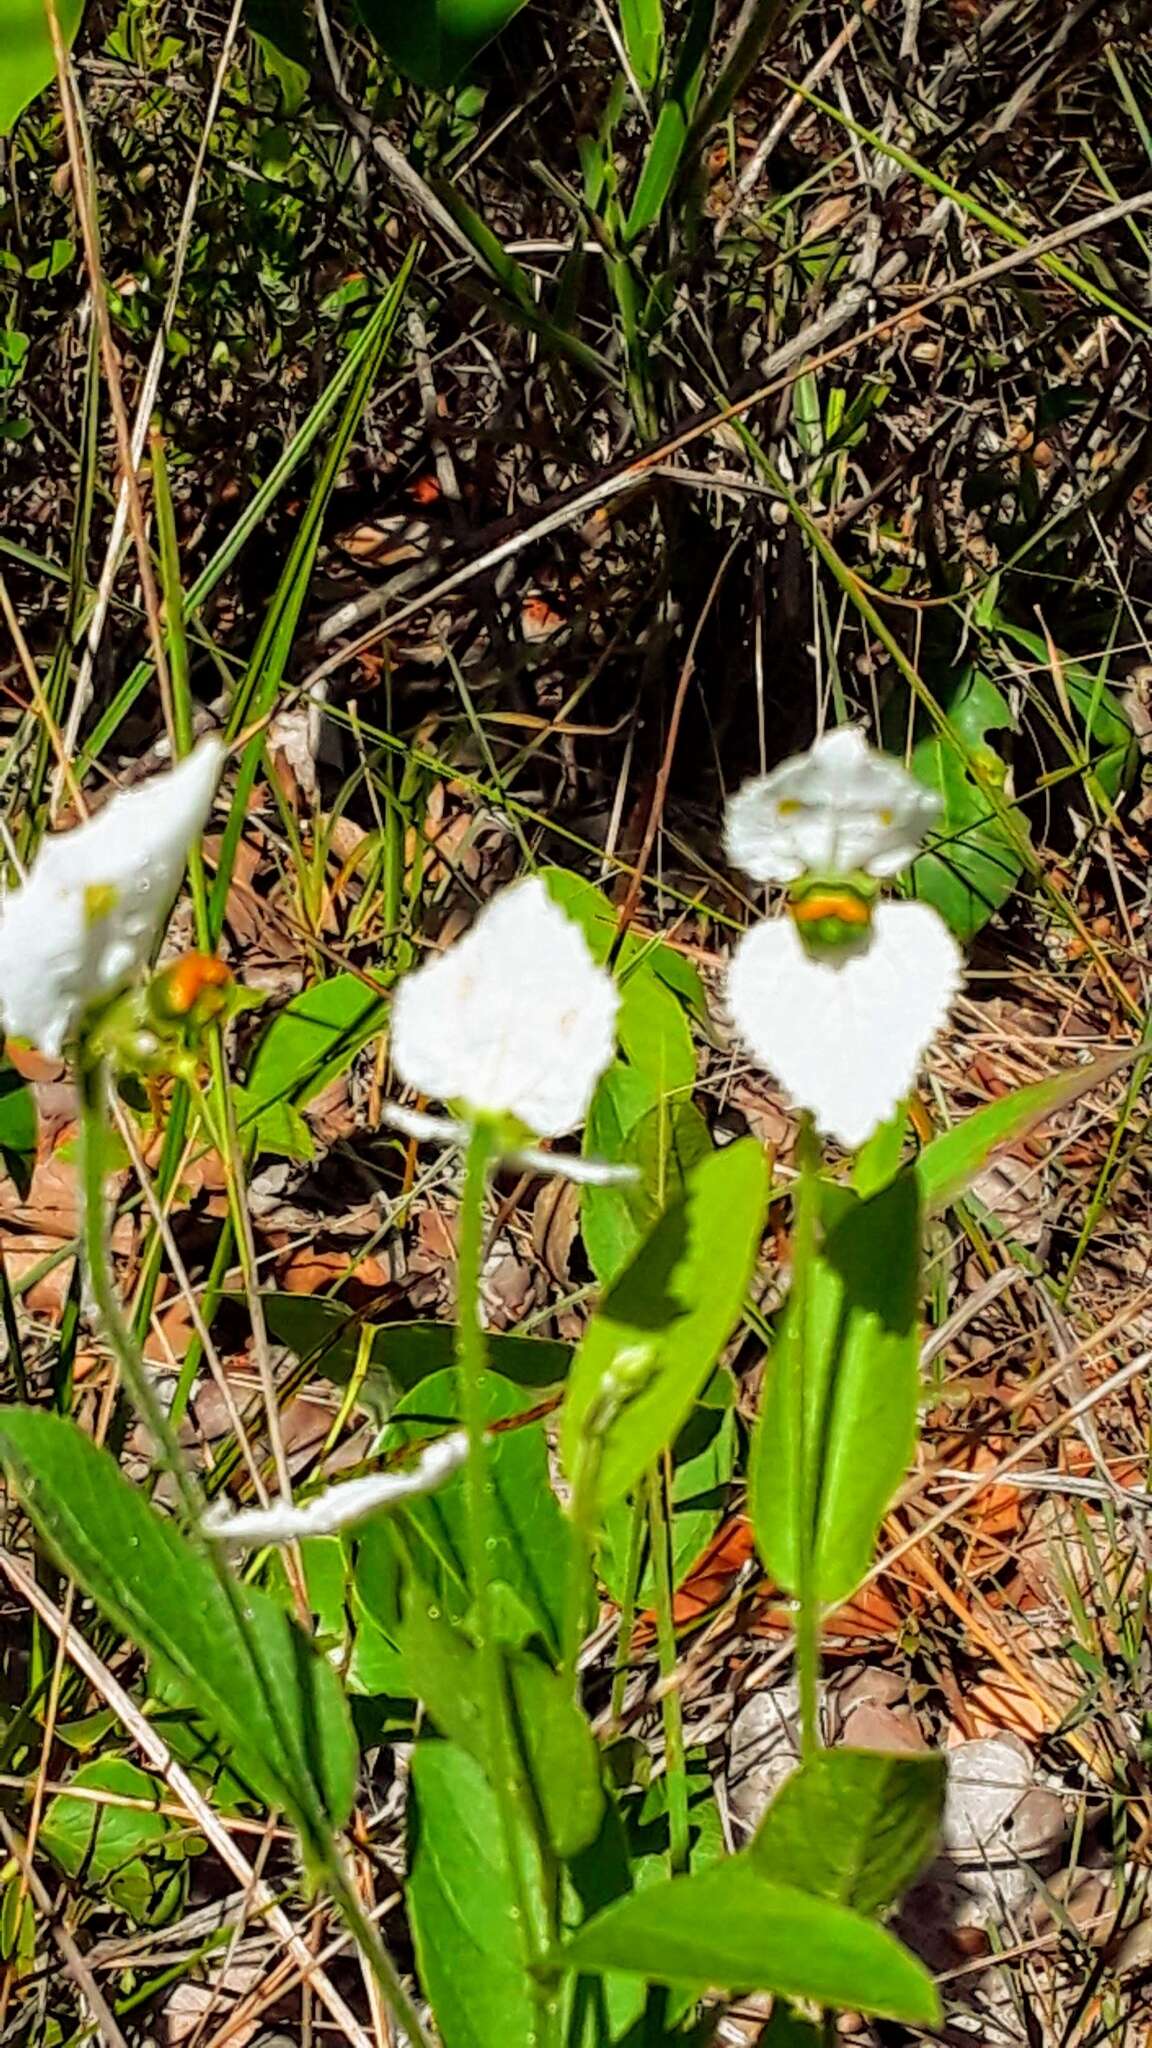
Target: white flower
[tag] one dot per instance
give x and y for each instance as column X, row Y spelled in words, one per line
column 340, row 1506
column 516, row 1019
column 96, row 900
column 844, row 1028
column 839, row 808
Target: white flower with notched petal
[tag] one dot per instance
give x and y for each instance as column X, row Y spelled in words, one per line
column 841, row 997
column 515, row 1020
column 838, row 808
column 844, row 1029
column 96, row 900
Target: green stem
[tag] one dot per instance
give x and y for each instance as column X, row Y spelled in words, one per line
column 372, row 1947
column 535, row 1901
column 575, row 1595
column 93, row 1082
column 804, row 1234
column 675, row 1764
column 627, row 1623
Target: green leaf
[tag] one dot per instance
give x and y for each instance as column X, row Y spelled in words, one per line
column 852, row 1825
column 598, row 921
column 315, row 1037
column 855, row 1353
column 26, row 61
column 17, row 1128
column 653, row 1030
column 435, row 40
column 530, row 1550
column 950, row 1163
column 562, row 1756
column 397, row 1356
column 662, row 161
column 642, row 26
column 134, row 1856
column 462, row 1905
column 628, row 1124
column 974, row 861
column 704, row 1456
column 610, row 1222
column 732, row 1930
column 284, row 32
column 662, row 1326
column 277, row 1703
column 1102, row 724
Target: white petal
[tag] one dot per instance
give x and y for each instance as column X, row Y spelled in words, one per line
column 587, row 1173
column 515, row 1019
column 839, row 807
column 449, row 1130
column 416, row 1123
column 846, row 1034
column 96, row 900
column 339, row 1506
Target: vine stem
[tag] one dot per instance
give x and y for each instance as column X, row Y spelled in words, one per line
column 94, row 1082
column 536, row 1903
column 804, row 1237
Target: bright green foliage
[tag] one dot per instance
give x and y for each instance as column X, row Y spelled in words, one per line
column 976, row 858
column 462, row 1905
column 951, row 1162
column 17, row 1127
column 703, row 1460
column 838, row 1415
column 435, row 40
column 389, row 1359
column 531, row 1543
column 315, row 1037
column 729, row 1928
column 278, row 1706
column 642, row 27
column 653, row 1342
column 26, row 60
column 562, row 1758
column 852, row 1825
column 630, row 1124
column 138, row 1858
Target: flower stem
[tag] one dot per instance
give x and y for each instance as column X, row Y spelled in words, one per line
column 533, row 1877
column 370, row 1942
column 675, row 1765
column 632, row 1564
column 804, row 1236
column 93, row 1083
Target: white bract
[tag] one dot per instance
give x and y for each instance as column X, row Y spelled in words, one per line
column 340, row 1506
column 96, row 900
column 845, row 1031
column 836, row 809
column 841, row 998
column 514, row 1020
